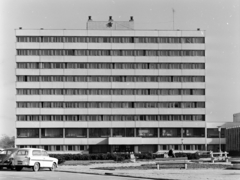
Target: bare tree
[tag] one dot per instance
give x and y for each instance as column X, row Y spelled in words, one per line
column 7, row 142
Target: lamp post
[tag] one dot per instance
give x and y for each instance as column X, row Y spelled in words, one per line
column 182, row 131
column 219, row 131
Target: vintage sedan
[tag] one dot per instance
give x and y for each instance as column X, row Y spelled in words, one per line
column 6, row 157
column 34, row 158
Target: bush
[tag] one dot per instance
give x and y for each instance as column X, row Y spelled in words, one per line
column 60, row 157
column 234, row 153
column 188, row 155
column 145, row 156
column 117, row 156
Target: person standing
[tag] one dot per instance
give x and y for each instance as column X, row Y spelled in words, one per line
column 171, row 153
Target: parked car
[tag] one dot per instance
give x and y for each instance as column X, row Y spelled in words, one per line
column 6, row 157
column 34, row 158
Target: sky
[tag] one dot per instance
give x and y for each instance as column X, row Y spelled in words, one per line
column 220, row 19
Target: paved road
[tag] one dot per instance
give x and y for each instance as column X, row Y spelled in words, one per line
column 28, row 174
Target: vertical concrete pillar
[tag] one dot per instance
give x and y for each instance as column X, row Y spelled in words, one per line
column 64, row 148
column 63, row 132
column 135, row 132
column 136, row 149
column 111, row 132
column 87, row 132
column 193, row 146
column 159, row 147
column 40, row 135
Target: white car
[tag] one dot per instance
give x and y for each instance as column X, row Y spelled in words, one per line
column 34, row 158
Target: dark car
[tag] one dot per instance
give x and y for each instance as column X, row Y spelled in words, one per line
column 6, row 157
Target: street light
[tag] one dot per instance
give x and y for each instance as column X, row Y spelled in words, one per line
column 182, row 131
column 219, row 131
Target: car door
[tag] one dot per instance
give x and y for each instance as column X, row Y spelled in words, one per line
column 47, row 160
column 38, row 157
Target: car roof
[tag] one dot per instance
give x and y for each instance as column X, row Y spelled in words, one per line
column 10, row 149
column 31, row 149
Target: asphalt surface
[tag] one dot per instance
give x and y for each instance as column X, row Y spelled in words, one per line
column 45, row 174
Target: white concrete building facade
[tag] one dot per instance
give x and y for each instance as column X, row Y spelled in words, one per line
column 111, row 88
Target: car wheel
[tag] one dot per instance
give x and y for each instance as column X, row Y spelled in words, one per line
column 53, row 168
column 36, row 167
column 19, row 168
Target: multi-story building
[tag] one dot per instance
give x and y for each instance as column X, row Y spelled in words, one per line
column 111, row 88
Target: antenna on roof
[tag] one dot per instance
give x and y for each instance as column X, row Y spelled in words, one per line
column 173, row 17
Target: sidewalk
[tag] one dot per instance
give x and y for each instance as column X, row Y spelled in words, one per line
column 181, row 174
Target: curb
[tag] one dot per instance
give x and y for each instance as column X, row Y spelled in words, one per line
column 111, row 174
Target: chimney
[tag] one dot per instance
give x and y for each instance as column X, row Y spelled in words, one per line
column 89, row 18
column 131, row 18
column 110, row 18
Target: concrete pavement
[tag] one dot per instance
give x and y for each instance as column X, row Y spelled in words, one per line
column 181, row 174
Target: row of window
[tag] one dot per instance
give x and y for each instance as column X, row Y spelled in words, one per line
column 111, row 78
column 75, row 39
column 80, row 52
column 110, row 117
column 55, row 147
column 110, row 104
column 115, row 132
column 111, row 91
column 116, row 148
column 126, row 148
column 48, row 65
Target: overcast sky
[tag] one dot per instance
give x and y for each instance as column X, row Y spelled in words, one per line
column 220, row 19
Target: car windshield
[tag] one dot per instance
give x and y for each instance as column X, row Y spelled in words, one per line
column 22, row 153
column 6, row 152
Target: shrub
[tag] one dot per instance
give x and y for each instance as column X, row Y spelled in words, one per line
column 60, row 157
column 188, row 155
column 234, row 153
column 145, row 156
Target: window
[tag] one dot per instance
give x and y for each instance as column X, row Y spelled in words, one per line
column 52, row 39
column 170, row 132
column 27, row 39
column 147, row 132
column 194, row 132
column 46, row 118
column 57, row 78
column 51, row 133
column 22, row 153
column 214, row 133
column 199, row 117
column 27, row 133
column 73, row 39
column 75, row 132
column 99, row 132
column 57, row 65
column 76, row 52
column 118, row 132
column 57, row 118
column 36, row 153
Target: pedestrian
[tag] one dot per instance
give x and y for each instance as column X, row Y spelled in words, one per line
column 171, row 153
